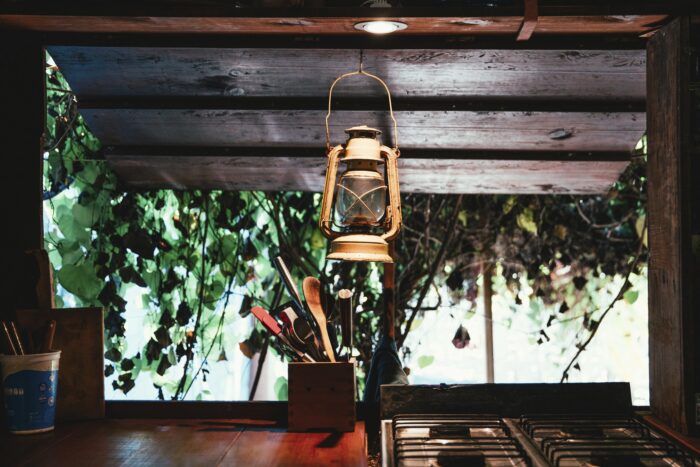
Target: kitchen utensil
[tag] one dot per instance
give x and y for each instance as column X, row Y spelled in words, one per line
column 332, row 336
column 301, row 333
column 345, row 305
column 312, row 293
column 281, row 267
column 8, row 339
column 48, row 336
column 298, row 327
column 314, row 348
column 18, row 340
column 29, row 340
column 274, row 328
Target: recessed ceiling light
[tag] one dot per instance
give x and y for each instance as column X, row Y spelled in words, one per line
column 380, row 26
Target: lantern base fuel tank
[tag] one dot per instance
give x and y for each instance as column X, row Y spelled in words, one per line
column 359, row 247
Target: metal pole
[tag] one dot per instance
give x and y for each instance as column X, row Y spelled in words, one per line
column 487, row 272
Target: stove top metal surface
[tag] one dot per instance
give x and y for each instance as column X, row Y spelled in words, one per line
column 572, row 440
column 612, row 437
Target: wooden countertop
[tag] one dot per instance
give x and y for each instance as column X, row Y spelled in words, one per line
column 161, row 442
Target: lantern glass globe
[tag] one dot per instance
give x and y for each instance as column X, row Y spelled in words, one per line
column 361, row 199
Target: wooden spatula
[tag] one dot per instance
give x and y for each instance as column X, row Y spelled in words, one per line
column 312, row 294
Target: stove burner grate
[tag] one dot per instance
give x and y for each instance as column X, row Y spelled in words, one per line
column 455, row 440
column 600, row 441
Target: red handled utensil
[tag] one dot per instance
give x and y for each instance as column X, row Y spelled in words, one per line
column 274, row 328
column 301, row 333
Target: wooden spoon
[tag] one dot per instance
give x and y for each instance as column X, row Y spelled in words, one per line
column 312, row 294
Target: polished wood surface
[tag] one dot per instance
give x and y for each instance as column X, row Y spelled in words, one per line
column 183, row 442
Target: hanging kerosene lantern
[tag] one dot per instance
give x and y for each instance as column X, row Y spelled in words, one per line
column 366, row 198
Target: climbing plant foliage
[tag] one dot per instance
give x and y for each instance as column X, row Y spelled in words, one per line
column 192, row 255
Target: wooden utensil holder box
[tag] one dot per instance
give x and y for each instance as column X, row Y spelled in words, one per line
column 321, row 396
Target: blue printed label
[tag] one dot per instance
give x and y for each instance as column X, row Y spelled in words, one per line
column 30, row 399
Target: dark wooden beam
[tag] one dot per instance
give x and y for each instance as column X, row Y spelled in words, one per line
column 466, row 75
column 574, row 17
column 367, row 104
column 466, row 131
column 674, row 281
column 22, row 92
column 347, row 9
column 472, row 176
column 581, row 41
column 466, row 25
column 314, row 152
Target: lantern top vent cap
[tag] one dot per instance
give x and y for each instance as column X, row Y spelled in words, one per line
column 363, row 131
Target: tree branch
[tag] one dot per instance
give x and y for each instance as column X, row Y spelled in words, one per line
column 439, row 258
column 620, row 294
column 200, row 305
column 266, row 343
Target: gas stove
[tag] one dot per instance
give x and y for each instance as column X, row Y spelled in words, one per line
column 609, row 437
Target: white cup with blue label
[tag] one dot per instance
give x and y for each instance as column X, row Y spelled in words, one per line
column 29, row 388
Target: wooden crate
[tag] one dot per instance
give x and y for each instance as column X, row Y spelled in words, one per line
column 321, row 396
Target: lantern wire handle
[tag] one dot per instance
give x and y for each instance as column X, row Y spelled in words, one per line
column 361, row 72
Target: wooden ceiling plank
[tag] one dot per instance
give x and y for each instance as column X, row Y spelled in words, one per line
column 531, row 74
column 507, row 131
column 118, row 22
column 416, row 175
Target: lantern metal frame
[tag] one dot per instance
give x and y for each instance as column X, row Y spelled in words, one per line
column 354, row 246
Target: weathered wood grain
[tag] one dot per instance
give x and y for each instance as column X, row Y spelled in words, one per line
column 416, row 175
column 514, row 131
column 118, row 21
column 531, row 74
column 671, row 314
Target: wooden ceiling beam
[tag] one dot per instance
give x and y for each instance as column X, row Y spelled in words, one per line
column 465, row 25
column 461, row 130
column 558, row 74
column 306, row 153
column 589, row 17
column 580, row 41
column 365, row 104
column 195, row 9
column 469, row 176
